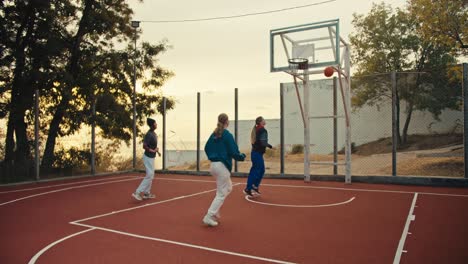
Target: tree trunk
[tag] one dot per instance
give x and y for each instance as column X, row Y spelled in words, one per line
column 407, row 122
column 54, row 129
column 73, row 70
column 19, row 94
column 9, row 141
column 397, row 106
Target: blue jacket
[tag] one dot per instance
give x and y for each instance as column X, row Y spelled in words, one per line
column 223, row 149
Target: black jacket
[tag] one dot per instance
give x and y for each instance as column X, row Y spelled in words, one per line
column 261, row 141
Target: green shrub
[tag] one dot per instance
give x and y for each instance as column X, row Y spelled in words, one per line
column 297, row 149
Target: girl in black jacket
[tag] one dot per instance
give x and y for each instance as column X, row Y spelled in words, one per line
column 259, row 140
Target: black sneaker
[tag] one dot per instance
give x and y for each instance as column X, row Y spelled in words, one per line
column 248, row 192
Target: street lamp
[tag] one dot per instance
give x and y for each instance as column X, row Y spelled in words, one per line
column 135, row 25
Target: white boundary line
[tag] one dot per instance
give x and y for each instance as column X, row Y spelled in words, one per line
column 66, row 189
column 410, row 218
column 400, row 250
column 38, row 254
column 88, row 185
column 64, row 184
column 364, row 190
column 186, row 244
column 300, row 206
column 266, row 184
column 333, row 188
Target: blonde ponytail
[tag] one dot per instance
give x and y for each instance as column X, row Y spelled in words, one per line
column 222, row 119
column 253, row 134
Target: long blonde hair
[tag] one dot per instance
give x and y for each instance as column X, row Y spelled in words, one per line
column 253, row 134
column 222, row 119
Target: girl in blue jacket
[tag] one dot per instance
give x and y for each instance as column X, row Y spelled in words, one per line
column 220, row 150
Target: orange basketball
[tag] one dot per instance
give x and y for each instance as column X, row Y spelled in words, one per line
column 328, row 71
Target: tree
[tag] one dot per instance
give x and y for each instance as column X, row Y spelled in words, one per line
column 67, row 50
column 388, row 40
column 96, row 72
column 443, row 21
column 28, row 31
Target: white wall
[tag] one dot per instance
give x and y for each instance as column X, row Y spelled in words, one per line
column 367, row 123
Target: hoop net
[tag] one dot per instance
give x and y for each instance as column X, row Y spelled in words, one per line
column 296, row 64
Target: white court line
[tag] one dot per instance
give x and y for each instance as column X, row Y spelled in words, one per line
column 65, row 184
column 188, row 180
column 410, row 218
column 38, row 254
column 87, row 185
column 66, row 189
column 300, row 206
column 365, row 190
column 333, row 188
column 144, row 205
column 187, row 245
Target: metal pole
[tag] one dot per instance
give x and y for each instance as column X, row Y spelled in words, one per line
column 164, row 135
column 394, row 125
column 306, row 127
column 134, row 98
column 236, row 117
column 93, row 137
column 198, row 131
column 465, row 115
column 282, row 129
column 335, row 128
column 36, row 135
column 348, row 110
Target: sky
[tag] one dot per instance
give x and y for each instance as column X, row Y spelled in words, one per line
column 214, row 57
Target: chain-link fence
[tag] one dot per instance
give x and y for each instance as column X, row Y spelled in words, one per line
column 401, row 124
column 429, row 125
column 70, row 149
column 405, row 124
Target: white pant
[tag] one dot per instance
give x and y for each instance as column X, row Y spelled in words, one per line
column 145, row 185
column 223, row 186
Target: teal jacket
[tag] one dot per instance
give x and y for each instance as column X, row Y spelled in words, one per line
column 223, row 149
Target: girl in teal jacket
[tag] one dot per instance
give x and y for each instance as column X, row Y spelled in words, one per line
column 220, row 150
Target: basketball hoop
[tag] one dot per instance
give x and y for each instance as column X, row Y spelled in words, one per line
column 298, row 64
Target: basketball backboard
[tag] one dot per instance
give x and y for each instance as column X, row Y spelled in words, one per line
column 319, row 43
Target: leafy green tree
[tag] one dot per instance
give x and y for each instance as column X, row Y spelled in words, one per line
column 96, row 71
column 443, row 21
column 28, row 33
column 387, row 40
column 68, row 50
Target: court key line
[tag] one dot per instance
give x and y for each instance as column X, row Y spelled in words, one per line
column 91, row 228
column 300, row 206
column 144, row 205
column 232, row 253
column 401, row 244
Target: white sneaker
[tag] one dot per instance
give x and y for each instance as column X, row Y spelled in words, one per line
column 209, row 221
column 217, row 216
column 137, row 196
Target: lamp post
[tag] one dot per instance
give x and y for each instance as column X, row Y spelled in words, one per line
column 135, row 25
